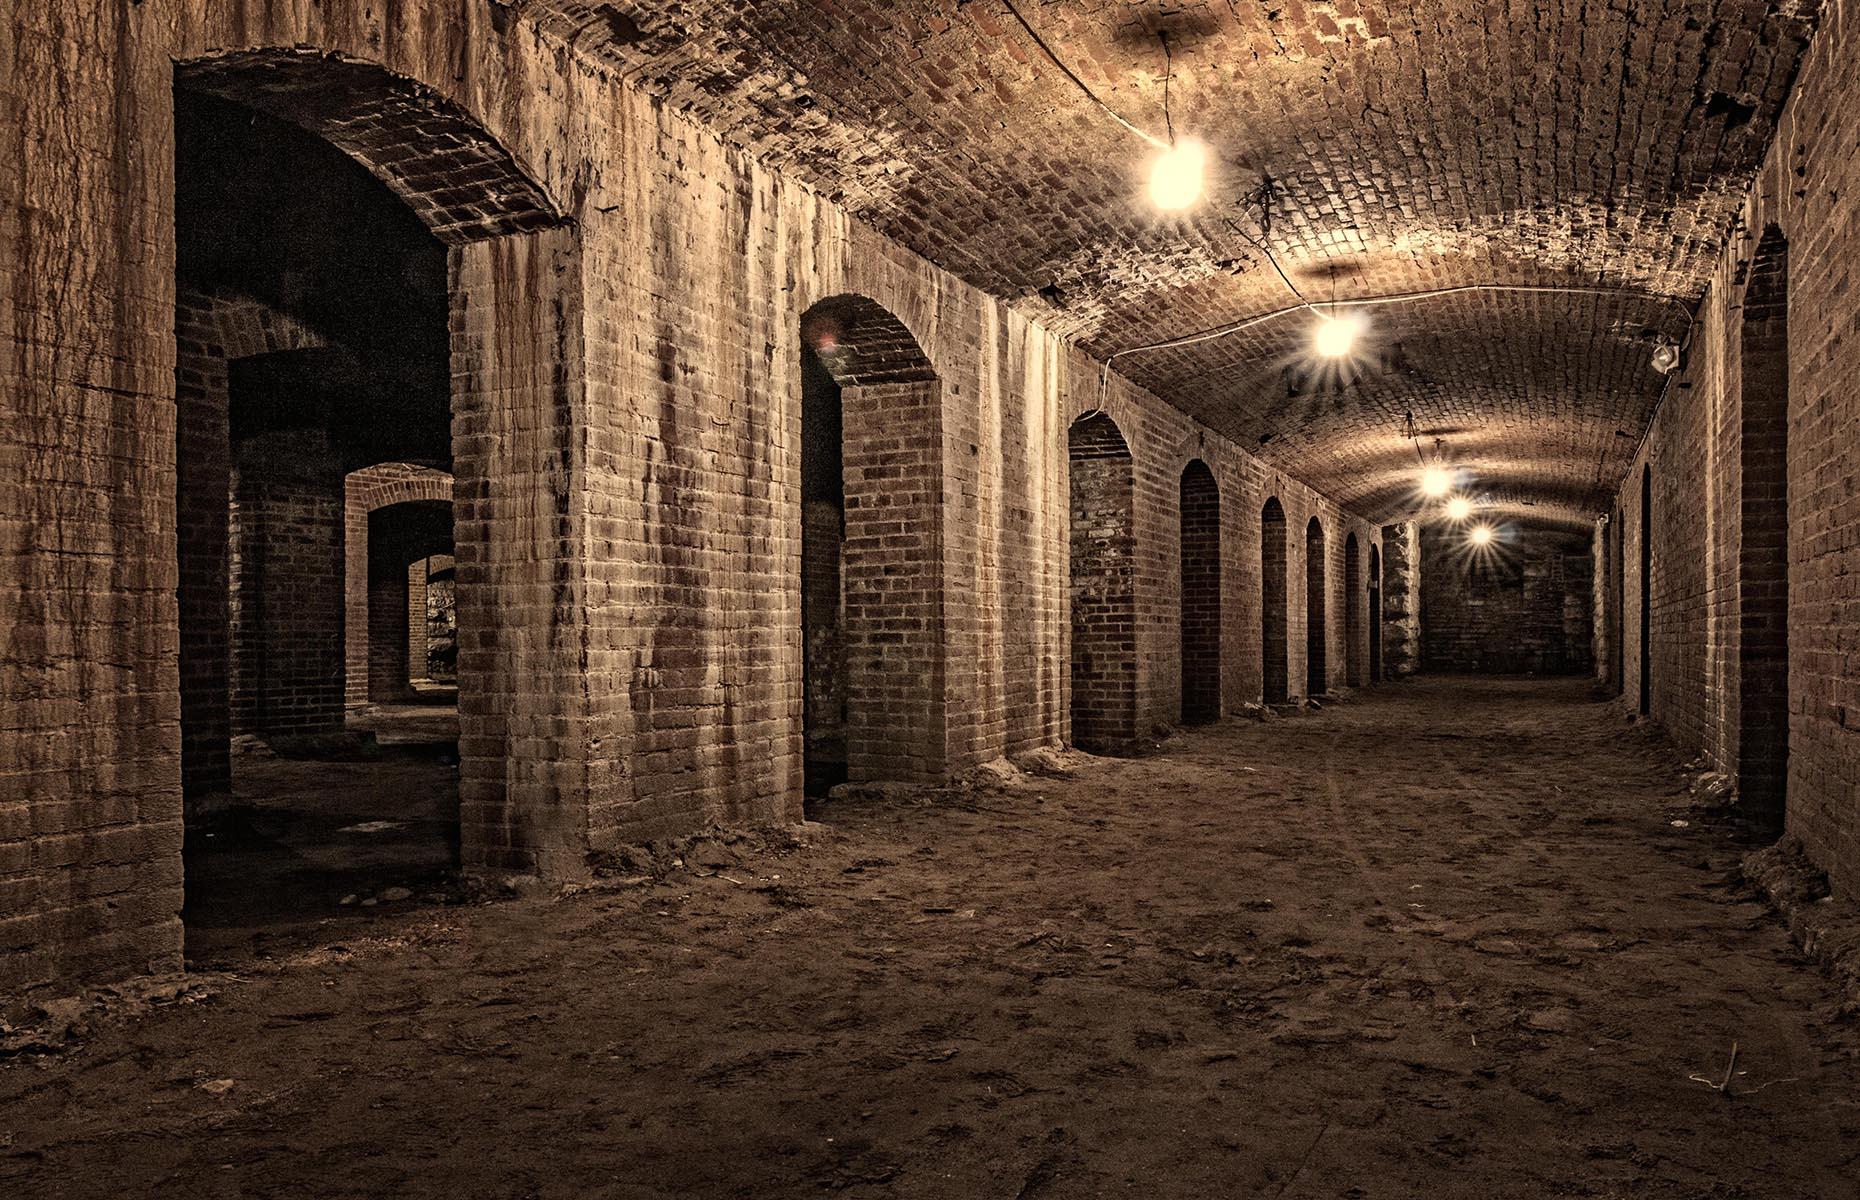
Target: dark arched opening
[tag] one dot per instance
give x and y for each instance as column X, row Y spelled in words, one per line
column 1763, row 556
column 871, row 568
column 1200, row 594
column 1375, row 613
column 1646, row 590
column 323, row 213
column 1275, row 675
column 1352, row 612
column 1317, row 615
column 1103, row 586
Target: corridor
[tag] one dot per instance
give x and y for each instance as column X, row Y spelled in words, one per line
column 1462, row 937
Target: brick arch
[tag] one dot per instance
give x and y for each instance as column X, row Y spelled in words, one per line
column 366, row 492
column 1102, row 573
column 872, row 414
column 863, row 343
column 1275, row 646
column 462, row 182
column 1200, row 593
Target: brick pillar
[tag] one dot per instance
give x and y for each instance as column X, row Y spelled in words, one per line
column 390, row 588
column 287, row 584
column 1401, row 600
column 893, row 582
column 528, row 737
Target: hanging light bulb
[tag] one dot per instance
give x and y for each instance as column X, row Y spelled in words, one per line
column 1176, row 177
column 1336, row 336
column 1482, row 535
column 1459, row 508
column 1435, row 481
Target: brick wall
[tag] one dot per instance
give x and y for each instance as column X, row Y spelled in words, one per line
column 1524, row 606
column 626, row 444
column 1720, row 475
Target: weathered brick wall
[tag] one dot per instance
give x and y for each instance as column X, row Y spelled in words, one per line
column 1713, row 459
column 1524, row 607
column 626, row 451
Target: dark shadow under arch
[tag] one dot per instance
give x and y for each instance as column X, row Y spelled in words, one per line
column 459, row 180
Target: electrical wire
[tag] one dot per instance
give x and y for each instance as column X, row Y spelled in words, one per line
column 1039, row 41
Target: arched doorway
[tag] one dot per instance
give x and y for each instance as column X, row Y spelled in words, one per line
column 1375, row 613
column 1317, row 616
column 1273, row 600
column 1103, row 586
column 328, row 219
column 1200, row 594
column 1352, row 612
column 871, row 567
column 1646, row 590
column 1763, row 561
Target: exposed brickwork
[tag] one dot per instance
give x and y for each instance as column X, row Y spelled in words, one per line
column 1713, row 451
column 1523, row 607
column 626, row 444
column 1373, row 618
column 1405, row 149
column 1200, row 591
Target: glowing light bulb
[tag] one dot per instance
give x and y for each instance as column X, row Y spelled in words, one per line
column 1482, row 535
column 1336, row 336
column 1176, row 177
column 1435, row 481
column 1459, row 508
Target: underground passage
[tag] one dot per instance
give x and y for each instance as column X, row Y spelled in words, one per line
column 929, row 599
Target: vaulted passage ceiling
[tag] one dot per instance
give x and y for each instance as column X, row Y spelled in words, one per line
column 1375, row 147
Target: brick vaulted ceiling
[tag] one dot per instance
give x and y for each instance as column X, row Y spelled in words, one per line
column 1377, row 147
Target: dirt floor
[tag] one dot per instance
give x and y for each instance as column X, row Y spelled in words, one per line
column 1443, row 940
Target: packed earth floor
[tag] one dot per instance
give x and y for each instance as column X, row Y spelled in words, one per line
column 1443, row 940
